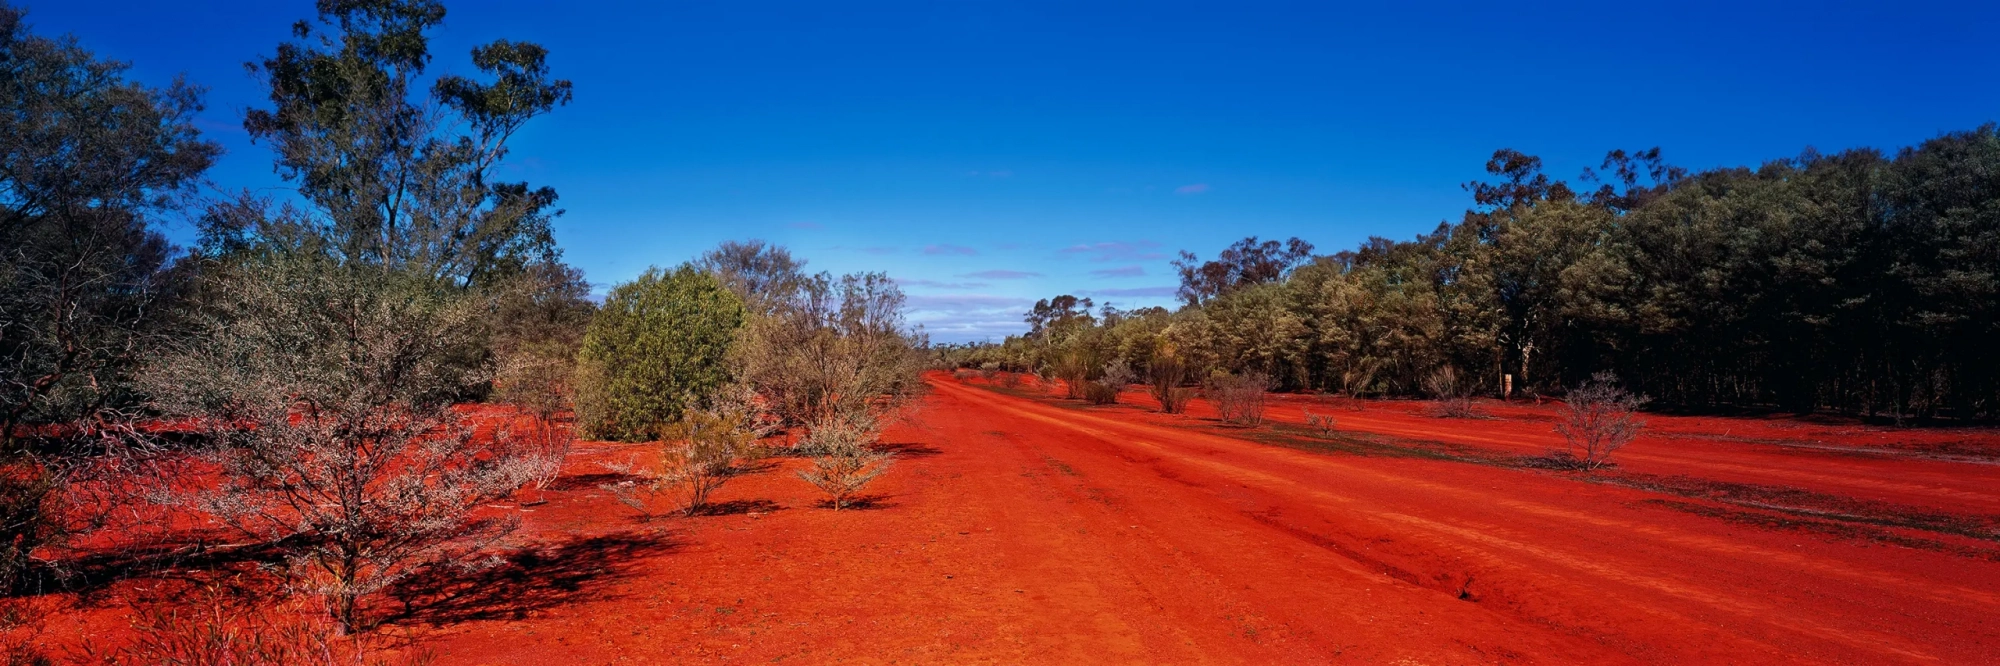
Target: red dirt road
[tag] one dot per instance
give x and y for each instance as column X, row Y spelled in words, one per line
column 1023, row 531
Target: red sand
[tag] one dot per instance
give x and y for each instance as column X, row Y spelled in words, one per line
column 1019, row 530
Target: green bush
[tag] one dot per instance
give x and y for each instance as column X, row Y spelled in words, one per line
column 659, row 344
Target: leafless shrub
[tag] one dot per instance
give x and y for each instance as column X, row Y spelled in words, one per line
column 326, row 392
column 1453, row 394
column 1597, row 418
column 842, row 457
column 1008, row 379
column 1164, row 375
column 1320, row 423
column 1239, row 399
column 964, row 374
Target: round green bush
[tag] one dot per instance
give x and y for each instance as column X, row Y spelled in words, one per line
column 658, row 346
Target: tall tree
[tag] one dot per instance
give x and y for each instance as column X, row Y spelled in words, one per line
column 396, row 176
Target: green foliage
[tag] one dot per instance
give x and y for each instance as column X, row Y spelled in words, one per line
column 86, row 158
column 658, row 346
column 1857, row 281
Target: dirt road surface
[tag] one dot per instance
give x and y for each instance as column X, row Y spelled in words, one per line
column 1017, row 529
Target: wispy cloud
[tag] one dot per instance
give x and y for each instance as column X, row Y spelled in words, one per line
column 1196, row 188
column 1121, row 271
column 1117, row 251
column 968, row 317
column 879, row 249
column 806, row 225
column 1002, row 275
column 934, row 284
column 945, row 248
column 1135, row 292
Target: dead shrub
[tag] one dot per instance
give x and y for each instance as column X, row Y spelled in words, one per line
column 1597, row 418
column 1452, row 393
column 964, row 374
column 1008, row 379
column 842, row 457
column 1239, row 398
column 1319, row 423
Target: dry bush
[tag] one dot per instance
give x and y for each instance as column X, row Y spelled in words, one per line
column 1164, row 376
column 964, row 374
column 30, row 496
column 698, row 454
column 831, row 346
column 325, row 392
column 1099, row 393
column 1007, row 379
column 843, row 458
column 1320, row 423
column 1239, row 399
column 1117, row 375
column 1453, row 394
column 1597, row 418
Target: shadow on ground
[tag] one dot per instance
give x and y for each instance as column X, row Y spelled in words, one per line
column 533, row 579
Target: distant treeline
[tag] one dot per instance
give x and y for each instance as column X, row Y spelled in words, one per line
column 1860, row 282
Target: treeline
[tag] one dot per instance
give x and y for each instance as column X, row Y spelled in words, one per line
column 310, row 354
column 1862, row 282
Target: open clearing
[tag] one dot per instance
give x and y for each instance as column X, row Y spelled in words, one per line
column 1017, row 527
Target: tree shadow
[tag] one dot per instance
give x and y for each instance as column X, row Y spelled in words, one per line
column 530, row 580
column 194, row 557
column 908, row 449
column 860, row 503
column 737, row 507
column 589, row 481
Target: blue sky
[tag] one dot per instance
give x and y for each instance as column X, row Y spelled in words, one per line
column 992, row 153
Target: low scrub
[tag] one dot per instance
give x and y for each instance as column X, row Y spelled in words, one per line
column 1319, row 423
column 1164, row 377
column 1452, row 392
column 1597, row 418
column 843, row 459
column 1239, row 399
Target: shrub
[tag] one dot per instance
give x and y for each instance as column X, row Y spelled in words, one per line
column 211, row 627
column 964, row 374
column 1239, row 399
column 832, row 346
column 1008, row 379
column 1099, row 393
column 1320, row 423
column 1165, row 375
column 326, row 394
column 1597, row 418
column 658, row 345
column 1454, row 396
column 843, row 460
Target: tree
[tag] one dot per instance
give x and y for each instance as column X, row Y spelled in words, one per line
column 1243, row 264
column 657, row 347
column 395, row 177
column 331, row 424
column 87, row 160
column 765, row 276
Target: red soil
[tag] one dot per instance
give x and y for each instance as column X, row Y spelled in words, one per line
column 1030, row 530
